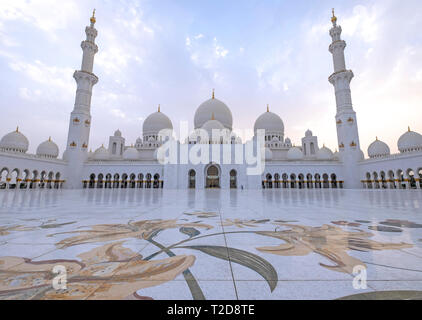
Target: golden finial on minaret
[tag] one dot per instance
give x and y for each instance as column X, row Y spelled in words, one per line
column 213, row 94
column 93, row 19
column 334, row 18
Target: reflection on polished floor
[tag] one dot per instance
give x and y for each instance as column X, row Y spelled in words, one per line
column 213, row 244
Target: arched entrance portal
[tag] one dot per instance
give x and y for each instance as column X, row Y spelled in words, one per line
column 213, row 178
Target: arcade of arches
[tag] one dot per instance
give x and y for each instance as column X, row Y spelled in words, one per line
column 400, row 179
column 30, row 179
column 301, row 181
column 126, row 181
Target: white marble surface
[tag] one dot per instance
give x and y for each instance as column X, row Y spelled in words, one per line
column 32, row 224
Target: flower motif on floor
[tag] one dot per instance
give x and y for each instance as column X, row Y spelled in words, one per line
column 108, row 232
column 331, row 242
column 243, row 223
column 107, row 272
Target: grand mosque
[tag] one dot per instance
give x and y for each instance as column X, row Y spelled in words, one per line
column 139, row 165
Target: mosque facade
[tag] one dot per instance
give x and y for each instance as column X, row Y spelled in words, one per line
column 144, row 165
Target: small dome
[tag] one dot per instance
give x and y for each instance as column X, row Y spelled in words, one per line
column 275, row 139
column 138, row 141
column 155, row 123
column 295, row 154
column 325, row 154
column 212, row 125
column 214, row 106
column 378, row 149
column 270, row 122
column 268, row 154
column 15, row 142
column 101, row 154
column 48, row 149
column 131, row 154
column 118, row 134
column 308, row 134
column 288, row 141
column 410, row 141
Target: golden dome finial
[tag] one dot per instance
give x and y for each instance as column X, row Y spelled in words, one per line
column 334, row 18
column 49, row 139
column 17, row 129
column 213, row 116
column 159, row 108
column 93, row 19
column 408, row 128
column 377, row 138
column 268, row 108
column 213, row 94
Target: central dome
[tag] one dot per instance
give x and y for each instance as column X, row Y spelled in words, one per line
column 214, row 107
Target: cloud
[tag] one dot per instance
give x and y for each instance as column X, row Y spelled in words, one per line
column 43, row 14
column 118, row 113
column 204, row 52
column 57, row 81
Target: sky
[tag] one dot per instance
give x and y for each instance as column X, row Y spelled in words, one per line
column 174, row 53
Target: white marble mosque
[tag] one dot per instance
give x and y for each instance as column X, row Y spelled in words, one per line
column 305, row 165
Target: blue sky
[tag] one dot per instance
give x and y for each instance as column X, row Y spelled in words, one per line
column 173, row 53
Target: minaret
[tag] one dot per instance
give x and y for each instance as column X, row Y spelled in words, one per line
column 80, row 119
column 347, row 127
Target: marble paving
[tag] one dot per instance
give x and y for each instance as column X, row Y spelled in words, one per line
column 216, row 244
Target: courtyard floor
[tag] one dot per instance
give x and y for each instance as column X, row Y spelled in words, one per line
column 217, row 244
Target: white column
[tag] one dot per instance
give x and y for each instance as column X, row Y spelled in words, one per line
column 80, row 119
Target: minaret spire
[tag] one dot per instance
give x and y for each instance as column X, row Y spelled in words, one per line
column 93, row 19
column 334, row 19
